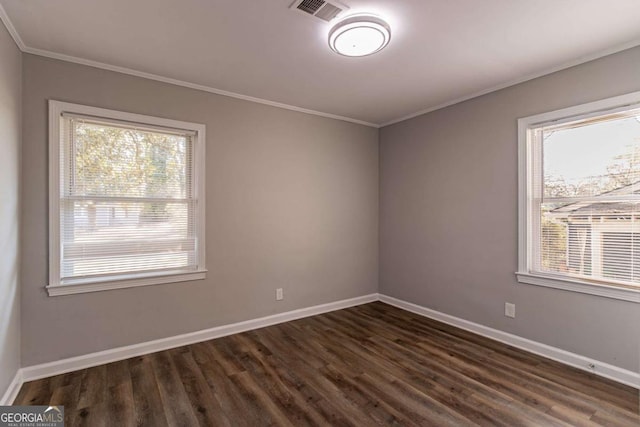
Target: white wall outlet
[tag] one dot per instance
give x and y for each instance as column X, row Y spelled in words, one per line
column 279, row 294
column 509, row 309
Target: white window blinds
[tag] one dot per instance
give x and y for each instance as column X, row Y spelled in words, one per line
column 585, row 219
column 128, row 201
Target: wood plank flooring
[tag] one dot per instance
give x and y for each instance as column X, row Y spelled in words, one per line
column 363, row 366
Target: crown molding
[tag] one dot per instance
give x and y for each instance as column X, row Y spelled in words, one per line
column 546, row 71
column 176, row 82
column 150, row 76
column 11, row 29
column 68, row 58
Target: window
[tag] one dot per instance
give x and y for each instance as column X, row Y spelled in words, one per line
column 126, row 202
column 580, row 198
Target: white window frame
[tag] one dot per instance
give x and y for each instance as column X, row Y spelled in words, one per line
column 56, row 286
column 526, row 152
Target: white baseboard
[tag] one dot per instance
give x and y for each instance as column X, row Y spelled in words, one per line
column 13, row 389
column 44, row 370
column 581, row 362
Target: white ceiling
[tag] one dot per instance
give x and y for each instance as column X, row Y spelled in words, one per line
column 441, row 51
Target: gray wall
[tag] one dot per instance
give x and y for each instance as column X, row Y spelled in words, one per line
column 448, row 216
column 292, row 202
column 10, row 112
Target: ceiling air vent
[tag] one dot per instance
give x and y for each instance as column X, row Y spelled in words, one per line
column 323, row 9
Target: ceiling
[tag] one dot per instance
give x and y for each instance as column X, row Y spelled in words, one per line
column 441, row 51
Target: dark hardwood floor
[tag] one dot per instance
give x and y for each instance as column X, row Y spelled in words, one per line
column 367, row 365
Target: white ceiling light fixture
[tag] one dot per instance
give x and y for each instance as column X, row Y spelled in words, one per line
column 359, row 35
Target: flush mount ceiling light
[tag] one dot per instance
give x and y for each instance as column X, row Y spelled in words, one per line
column 359, row 35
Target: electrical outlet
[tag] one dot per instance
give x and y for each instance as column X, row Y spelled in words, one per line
column 509, row 309
column 279, row 294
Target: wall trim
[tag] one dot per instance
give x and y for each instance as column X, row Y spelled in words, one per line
column 581, row 286
column 11, row 29
column 13, row 389
column 177, row 82
column 545, row 72
column 124, row 70
column 602, row 369
column 68, row 58
column 44, row 370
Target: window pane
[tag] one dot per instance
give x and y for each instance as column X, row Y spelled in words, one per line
column 117, row 161
column 126, row 201
column 553, row 241
column 119, row 237
column 594, row 231
column 621, row 256
column 591, row 158
column 596, row 240
column 127, row 205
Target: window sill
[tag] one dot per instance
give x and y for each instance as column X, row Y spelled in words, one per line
column 582, row 286
column 129, row 282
